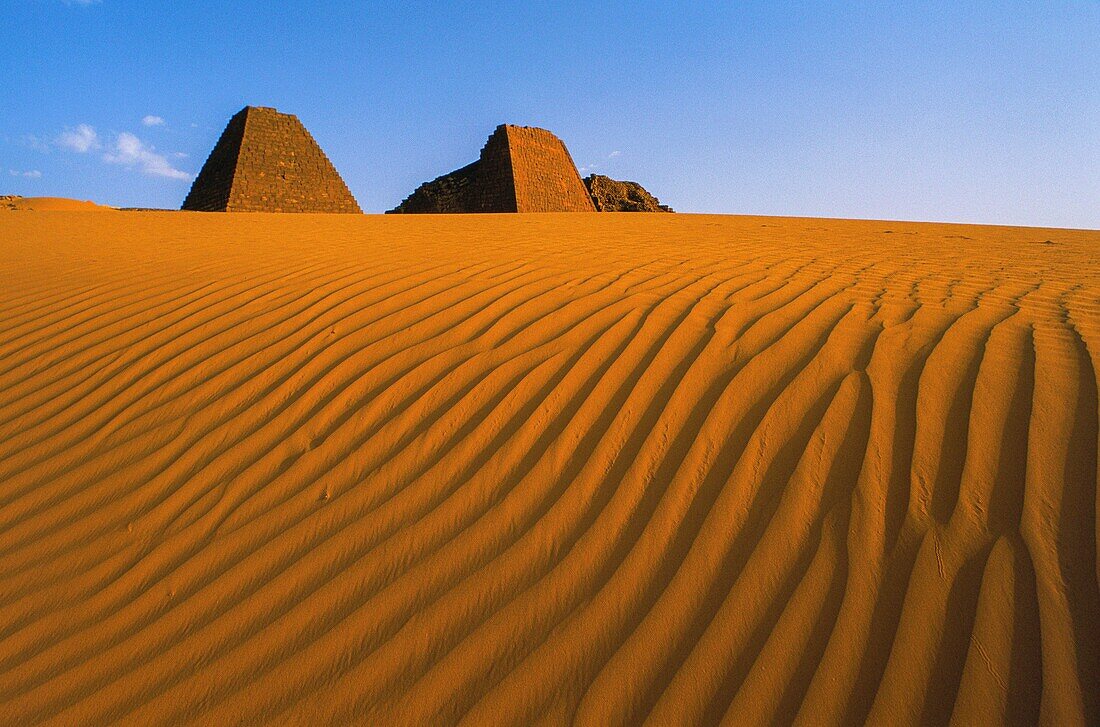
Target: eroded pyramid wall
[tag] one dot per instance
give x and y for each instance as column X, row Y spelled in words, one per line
column 492, row 188
column 266, row 161
column 544, row 177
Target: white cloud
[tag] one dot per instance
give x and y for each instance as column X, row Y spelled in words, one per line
column 131, row 151
column 151, row 120
column 30, row 173
column 614, row 154
column 81, row 139
column 179, row 154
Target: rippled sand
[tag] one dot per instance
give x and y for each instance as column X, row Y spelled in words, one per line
column 546, row 468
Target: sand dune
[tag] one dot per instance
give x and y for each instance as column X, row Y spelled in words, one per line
column 545, row 469
column 48, row 204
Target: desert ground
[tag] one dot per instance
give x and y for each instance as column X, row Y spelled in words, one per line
column 546, row 469
column 51, row 204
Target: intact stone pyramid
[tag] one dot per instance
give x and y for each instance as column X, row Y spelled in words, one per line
column 266, row 161
column 521, row 169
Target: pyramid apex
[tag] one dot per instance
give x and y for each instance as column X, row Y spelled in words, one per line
column 251, row 110
column 519, row 127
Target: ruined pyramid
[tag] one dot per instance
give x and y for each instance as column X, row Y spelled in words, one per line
column 521, row 169
column 266, row 161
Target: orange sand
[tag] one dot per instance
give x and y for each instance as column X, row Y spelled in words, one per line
column 50, row 204
column 546, row 468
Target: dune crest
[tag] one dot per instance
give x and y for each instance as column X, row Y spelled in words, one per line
column 546, row 468
column 15, row 203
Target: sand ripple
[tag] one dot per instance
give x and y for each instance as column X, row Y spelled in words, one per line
column 548, row 468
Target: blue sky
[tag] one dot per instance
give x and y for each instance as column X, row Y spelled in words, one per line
column 959, row 111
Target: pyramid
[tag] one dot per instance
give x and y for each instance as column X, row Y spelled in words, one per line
column 521, row 169
column 266, row 161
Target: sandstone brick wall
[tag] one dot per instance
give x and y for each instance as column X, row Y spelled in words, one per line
column 544, row 176
column 266, row 161
column 211, row 188
column 493, row 189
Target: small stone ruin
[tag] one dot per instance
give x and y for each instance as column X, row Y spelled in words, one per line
column 611, row 195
